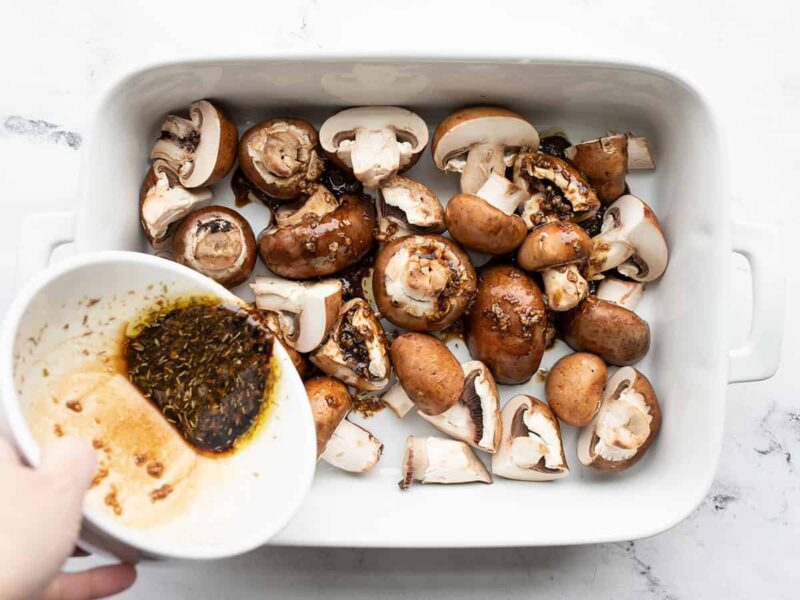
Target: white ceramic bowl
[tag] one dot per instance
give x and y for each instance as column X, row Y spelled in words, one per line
column 255, row 490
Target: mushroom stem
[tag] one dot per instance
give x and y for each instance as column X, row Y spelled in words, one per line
column 435, row 460
column 609, row 249
column 482, row 161
column 564, row 287
column 622, row 292
column 374, row 155
column 502, row 193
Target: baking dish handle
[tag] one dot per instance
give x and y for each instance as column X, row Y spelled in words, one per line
column 40, row 235
column 759, row 356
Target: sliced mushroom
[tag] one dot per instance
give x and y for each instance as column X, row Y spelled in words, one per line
column 605, row 162
column 330, row 402
column 625, row 426
column 316, row 205
column 306, row 311
column 640, row 157
column 298, row 360
column 355, row 351
column 475, row 418
column 352, row 448
column 280, row 157
column 486, row 221
column 557, row 251
column 574, row 387
column 616, row 334
column 434, row 460
column 630, row 240
column 406, row 207
column 505, row 328
column 217, row 242
column 200, row 149
column 479, row 141
column 428, row 372
column 423, row 282
column 397, row 400
column 163, row 202
column 376, row 142
column 530, row 448
column 320, row 244
column 624, row 292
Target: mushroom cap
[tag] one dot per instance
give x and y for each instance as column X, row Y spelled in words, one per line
column 217, row 242
column 626, row 425
column 352, row 448
column 604, row 161
column 617, row 335
column 435, row 460
column 320, row 247
column 423, row 282
column 487, row 125
column 280, row 156
column 506, row 326
column 531, row 447
column 406, row 206
column 428, row 371
column 476, row 224
column 555, row 244
column 574, row 387
column 330, row 402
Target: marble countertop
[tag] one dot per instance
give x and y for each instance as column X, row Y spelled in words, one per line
column 742, row 540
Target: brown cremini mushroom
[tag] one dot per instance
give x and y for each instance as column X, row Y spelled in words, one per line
column 352, row 448
column 280, row 157
column 330, row 402
column 423, row 282
column 505, row 328
column 574, row 387
column 604, row 161
column 407, row 207
column 429, row 373
column 217, row 242
column 200, row 149
column 434, row 460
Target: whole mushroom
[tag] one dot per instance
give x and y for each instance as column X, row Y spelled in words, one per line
column 200, row 149
column 574, row 387
column 217, row 242
column 407, row 207
column 280, row 157
column 330, row 402
column 505, row 328
column 423, row 282
column 604, row 161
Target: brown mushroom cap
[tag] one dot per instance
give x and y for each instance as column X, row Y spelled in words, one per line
column 280, row 157
column 330, row 402
column 554, row 245
column 217, row 242
column 476, row 224
column 435, row 282
column 617, row 335
column 574, row 387
column 506, row 326
column 429, row 373
column 605, row 162
column 319, row 247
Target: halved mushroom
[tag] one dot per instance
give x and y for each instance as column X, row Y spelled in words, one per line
column 397, row 400
column 330, row 402
column 217, row 242
column 574, row 387
column 640, row 157
column 429, row 373
column 299, row 361
column 355, row 351
column 617, row 335
column 558, row 250
column 306, row 311
column 434, row 460
column 530, row 448
column 630, row 240
column 625, row 426
column 479, row 141
column 605, row 162
column 376, row 142
column 423, row 282
column 319, row 244
column 406, row 207
column 505, row 328
column 485, row 221
column 475, row 418
column 280, row 157
column 624, row 292
column 352, row 448
column 200, row 149
column 316, row 205
column 163, row 202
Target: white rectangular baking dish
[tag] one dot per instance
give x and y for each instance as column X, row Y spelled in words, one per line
column 689, row 362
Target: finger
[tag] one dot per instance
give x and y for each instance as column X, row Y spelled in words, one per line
column 71, row 460
column 89, row 585
column 8, row 454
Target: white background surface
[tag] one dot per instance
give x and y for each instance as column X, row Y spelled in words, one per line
column 57, row 60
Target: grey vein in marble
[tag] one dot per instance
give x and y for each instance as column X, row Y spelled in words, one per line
column 654, row 585
column 38, row 129
column 773, row 421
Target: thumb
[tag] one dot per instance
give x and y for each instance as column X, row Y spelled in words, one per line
column 71, row 463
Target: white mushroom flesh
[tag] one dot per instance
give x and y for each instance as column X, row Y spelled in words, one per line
column 502, row 193
column 417, row 211
column 397, row 400
column 564, row 286
column 622, row 426
column 316, row 206
column 626, row 294
column 168, row 202
column 436, row 460
column 283, row 153
column 352, row 448
column 542, row 442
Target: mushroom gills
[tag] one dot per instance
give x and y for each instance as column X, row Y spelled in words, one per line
column 167, row 202
column 436, row 460
column 352, row 448
column 177, row 143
